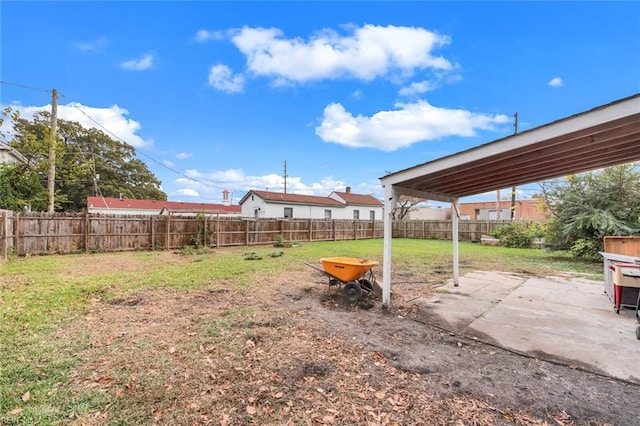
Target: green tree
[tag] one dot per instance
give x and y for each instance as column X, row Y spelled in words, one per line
column 86, row 159
column 20, row 188
column 587, row 207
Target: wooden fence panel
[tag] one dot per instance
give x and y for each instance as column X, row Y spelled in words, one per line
column 322, row 230
column 44, row 233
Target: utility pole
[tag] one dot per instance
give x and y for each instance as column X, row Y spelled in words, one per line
column 96, row 176
column 52, row 150
column 285, row 176
column 513, row 188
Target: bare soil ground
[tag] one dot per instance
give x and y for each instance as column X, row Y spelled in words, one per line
column 293, row 351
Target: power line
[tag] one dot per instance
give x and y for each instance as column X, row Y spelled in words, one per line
column 24, row 86
column 161, row 164
column 144, row 153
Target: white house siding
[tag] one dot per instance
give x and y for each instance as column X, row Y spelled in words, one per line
column 6, row 157
column 254, row 205
column 365, row 212
column 251, row 205
column 300, row 211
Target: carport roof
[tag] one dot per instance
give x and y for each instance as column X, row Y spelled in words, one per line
column 604, row 136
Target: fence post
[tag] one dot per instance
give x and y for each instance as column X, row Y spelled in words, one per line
column 86, row 232
column 5, row 237
column 168, row 240
column 354, row 230
column 310, row 230
column 218, row 230
column 246, row 232
column 335, row 231
column 16, row 233
column 153, row 233
column 205, row 242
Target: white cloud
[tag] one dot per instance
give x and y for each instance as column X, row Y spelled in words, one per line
column 168, row 163
column 367, row 53
column 357, row 94
column 183, row 155
column 205, row 35
column 186, row 192
column 402, row 127
column 95, row 45
column 113, row 118
column 556, row 82
column 142, row 63
column 222, row 78
column 417, row 88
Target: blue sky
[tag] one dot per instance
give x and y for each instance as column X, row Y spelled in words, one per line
column 218, row 95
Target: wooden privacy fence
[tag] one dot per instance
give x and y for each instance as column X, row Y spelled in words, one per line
column 443, row 229
column 49, row 233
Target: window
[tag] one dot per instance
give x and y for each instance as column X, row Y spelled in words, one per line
column 327, row 214
column 372, row 214
column 356, row 214
column 256, row 212
column 288, row 212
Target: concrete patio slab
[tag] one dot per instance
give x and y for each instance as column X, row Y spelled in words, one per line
column 568, row 319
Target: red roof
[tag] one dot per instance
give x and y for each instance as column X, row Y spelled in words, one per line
column 280, row 197
column 359, row 199
column 129, row 203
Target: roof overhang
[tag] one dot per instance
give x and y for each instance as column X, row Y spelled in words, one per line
column 604, row 136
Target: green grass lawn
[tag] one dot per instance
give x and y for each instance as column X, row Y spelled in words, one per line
column 39, row 295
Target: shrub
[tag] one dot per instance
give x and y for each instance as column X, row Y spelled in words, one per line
column 585, row 248
column 519, row 234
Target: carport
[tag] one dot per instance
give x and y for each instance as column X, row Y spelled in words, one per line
column 607, row 135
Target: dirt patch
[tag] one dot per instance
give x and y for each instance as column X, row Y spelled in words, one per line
column 109, row 263
column 294, row 351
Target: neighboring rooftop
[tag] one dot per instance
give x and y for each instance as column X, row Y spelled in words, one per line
column 120, row 204
column 341, row 198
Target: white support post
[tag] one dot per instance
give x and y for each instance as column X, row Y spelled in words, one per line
column 455, row 209
column 389, row 204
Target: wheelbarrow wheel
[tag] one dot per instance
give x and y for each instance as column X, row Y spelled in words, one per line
column 366, row 285
column 352, row 292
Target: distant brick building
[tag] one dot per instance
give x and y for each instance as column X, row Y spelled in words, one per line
column 533, row 209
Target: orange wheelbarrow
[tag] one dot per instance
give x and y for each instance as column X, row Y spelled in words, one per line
column 356, row 275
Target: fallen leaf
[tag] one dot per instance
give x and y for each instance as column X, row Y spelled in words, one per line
column 380, row 394
column 251, row 409
column 16, row 411
column 172, row 350
column 26, row 396
column 278, row 395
